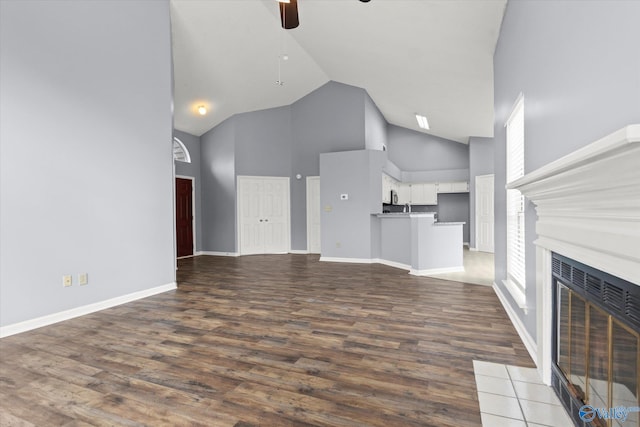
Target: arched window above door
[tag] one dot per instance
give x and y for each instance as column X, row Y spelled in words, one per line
column 180, row 152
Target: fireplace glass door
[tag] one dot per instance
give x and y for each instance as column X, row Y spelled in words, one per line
column 598, row 355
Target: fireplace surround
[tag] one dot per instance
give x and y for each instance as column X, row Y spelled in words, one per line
column 596, row 344
column 588, row 208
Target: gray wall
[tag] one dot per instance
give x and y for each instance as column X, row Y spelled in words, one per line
column 346, row 225
column 218, row 172
column 481, row 155
column 263, row 142
column 454, row 207
column 86, row 166
column 578, row 67
column 328, row 119
column 416, row 151
column 192, row 143
column 375, row 126
column 283, row 141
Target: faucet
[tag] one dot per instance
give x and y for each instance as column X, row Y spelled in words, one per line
column 407, row 208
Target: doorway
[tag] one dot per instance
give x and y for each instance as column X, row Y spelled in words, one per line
column 313, row 214
column 184, row 217
column 484, row 213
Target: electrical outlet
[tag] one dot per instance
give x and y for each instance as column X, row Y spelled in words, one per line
column 83, row 279
column 67, row 280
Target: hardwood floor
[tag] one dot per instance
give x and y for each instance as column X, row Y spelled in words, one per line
column 274, row 340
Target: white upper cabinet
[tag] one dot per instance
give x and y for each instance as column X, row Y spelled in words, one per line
column 453, row 187
column 404, row 193
column 424, row 194
column 388, row 184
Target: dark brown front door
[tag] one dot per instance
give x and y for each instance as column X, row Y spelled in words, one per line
column 184, row 217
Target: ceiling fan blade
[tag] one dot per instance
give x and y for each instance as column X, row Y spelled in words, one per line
column 289, row 14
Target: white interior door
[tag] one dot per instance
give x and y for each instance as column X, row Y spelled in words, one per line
column 484, row 213
column 275, row 215
column 313, row 214
column 263, row 215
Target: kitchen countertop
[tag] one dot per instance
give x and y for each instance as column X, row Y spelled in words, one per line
column 404, row 214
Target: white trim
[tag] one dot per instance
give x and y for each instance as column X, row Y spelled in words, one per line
column 215, row 253
column 392, row 264
column 299, row 252
column 347, row 260
column 187, row 155
column 527, row 339
column 514, row 108
column 432, row 271
column 193, row 212
column 50, row 319
column 473, row 249
column 517, row 293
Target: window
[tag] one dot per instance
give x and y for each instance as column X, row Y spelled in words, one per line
column 180, row 152
column 516, row 276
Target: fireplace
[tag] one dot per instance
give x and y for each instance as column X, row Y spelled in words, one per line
column 588, row 275
column 596, row 351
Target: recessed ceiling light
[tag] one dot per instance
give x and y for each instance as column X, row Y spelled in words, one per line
column 202, row 110
column 422, row 121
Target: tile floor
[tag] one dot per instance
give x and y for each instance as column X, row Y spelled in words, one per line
column 512, row 396
column 478, row 269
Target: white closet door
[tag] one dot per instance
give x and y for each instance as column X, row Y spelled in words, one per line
column 249, row 212
column 275, row 214
column 263, row 215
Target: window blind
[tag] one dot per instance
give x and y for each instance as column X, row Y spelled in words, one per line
column 515, row 200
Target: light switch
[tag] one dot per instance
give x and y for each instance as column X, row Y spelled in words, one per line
column 83, row 279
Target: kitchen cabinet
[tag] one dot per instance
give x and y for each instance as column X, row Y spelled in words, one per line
column 424, row 194
column 388, row 184
column 453, row 187
column 404, row 193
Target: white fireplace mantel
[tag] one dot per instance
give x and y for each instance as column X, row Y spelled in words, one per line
column 588, row 206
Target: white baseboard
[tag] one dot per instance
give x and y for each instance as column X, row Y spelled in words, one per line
column 527, row 339
column 214, row 253
column 465, row 244
column 392, row 264
column 433, row 271
column 347, row 260
column 50, row 319
column 298, row 251
column 473, row 249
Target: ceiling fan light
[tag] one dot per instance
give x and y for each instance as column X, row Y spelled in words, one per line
column 422, row 121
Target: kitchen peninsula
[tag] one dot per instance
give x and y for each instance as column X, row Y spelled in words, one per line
column 418, row 243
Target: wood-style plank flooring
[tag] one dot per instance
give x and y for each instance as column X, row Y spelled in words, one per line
column 273, row 340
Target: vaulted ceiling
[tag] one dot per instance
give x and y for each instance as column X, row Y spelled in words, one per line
column 433, row 57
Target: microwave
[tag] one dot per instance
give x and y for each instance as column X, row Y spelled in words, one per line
column 394, row 197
